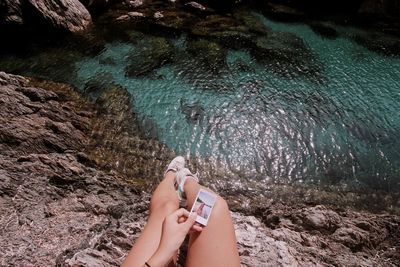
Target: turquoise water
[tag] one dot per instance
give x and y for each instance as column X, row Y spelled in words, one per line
column 264, row 122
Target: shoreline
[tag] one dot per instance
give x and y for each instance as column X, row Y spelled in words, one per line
column 63, row 205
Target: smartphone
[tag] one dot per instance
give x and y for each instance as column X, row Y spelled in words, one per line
column 203, row 206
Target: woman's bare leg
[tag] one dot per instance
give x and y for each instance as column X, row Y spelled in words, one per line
column 216, row 245
column 163, row 202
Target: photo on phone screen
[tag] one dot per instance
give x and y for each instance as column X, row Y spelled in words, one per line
column 203, row 206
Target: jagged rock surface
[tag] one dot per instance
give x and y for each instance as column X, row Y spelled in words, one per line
column 57, row 208
column 68, row 15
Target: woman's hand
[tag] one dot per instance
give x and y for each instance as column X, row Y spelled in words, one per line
column 174, row 230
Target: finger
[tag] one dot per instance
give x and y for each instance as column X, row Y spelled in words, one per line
column 196, row 228
column 182, row 219
column 190, row 221
column 181, row 212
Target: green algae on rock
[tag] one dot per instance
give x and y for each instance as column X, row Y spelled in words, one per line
column 152, row 54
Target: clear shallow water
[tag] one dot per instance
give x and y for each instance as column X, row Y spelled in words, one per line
column 269, row 127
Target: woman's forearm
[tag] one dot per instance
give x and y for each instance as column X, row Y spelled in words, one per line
column 160, row 258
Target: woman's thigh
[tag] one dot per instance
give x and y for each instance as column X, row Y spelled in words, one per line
column 216, row 245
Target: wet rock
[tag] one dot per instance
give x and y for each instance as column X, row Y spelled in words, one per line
column 198, row 8
column 193, row 111
column 288, row 50
column 251, row 21
column 135, row 3
column 242, row 65
column 135, row 14
column 174, row 21
column 226, row 30
column 153, row 54
column 222, row 5
column 158, row 15
column 130, row 15
column 384, row 44
column 118, row 139
column 98, row 84
column 210, row 56
column 282, row 12
column 324, row 30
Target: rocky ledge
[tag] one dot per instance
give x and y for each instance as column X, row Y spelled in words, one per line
column 61, row 205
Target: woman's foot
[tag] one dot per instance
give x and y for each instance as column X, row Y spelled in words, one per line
column 181, row 176
column 176, row 164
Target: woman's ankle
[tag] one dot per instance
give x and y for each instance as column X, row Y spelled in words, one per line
column 191, row 185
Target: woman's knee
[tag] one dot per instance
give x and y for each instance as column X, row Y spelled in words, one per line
column 221, row 206
column 165, row 206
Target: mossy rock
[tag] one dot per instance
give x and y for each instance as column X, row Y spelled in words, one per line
column 225, row 30
column 211, row 55
column 251, row 22
column 286, row 54
column 152, row 54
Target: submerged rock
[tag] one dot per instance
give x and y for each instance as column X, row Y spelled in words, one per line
column 152, row 54
column 98, row 84
column 324, row 30
column 385, row 44
column 226, row 30
column 209, row 56
column 286, row 54
column 193, row 111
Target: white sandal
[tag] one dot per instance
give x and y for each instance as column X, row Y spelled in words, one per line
column 181, row 176
column 176, row 164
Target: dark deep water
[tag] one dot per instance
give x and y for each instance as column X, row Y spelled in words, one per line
column 291, row 107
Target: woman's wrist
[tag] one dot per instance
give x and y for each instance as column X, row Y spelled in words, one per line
column 160, row 258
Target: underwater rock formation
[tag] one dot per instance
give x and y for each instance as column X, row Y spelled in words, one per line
column 324, row 29
column 385, row 44
column 288, row 49
column 154, row 53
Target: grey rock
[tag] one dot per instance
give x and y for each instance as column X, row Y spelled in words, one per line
column 135, row 3
column 319, row 217
column 196, row 5
column 135, row 14
column 158, row 15
column 198, row 8
column 68, row 15
column 64, row 14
